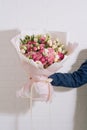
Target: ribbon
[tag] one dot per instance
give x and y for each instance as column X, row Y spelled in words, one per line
column 42, row 86
column 34, row 83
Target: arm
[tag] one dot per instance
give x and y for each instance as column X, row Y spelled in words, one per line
column 71, row 80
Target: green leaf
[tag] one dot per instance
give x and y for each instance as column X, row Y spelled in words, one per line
column 32, row 38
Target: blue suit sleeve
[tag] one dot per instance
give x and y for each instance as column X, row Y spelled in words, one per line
column 71, row 80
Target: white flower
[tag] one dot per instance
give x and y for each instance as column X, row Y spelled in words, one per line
column 63, row 51
column 23, row 51
column 56, row 58
column 45, row 52
column 49, row 42
column 44, row 35
column 60, row 49
column 54, row 46
column 35, row 39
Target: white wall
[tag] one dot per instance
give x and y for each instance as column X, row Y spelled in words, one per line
column 68, row 110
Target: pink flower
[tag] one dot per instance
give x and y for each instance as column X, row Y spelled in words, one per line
column 36, row 56
column 51, row 49
column 42, row 46
column 42, row 39
column 29, row 42
column 51, row 56
column 42, row 59
column 51, row 59
column 35, row 48
column 33, row 56
column 39, row 57
column 61, row 55
column 33, row 42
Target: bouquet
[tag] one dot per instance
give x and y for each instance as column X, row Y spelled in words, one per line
column 42, row 55
column 42, row 49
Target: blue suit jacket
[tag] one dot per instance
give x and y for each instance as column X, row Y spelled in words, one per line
column 71, row 80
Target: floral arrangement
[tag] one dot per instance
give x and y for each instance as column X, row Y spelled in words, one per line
column 42, row 49
column 42, row 54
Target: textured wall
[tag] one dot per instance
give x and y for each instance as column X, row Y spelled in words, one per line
column 68, row 110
